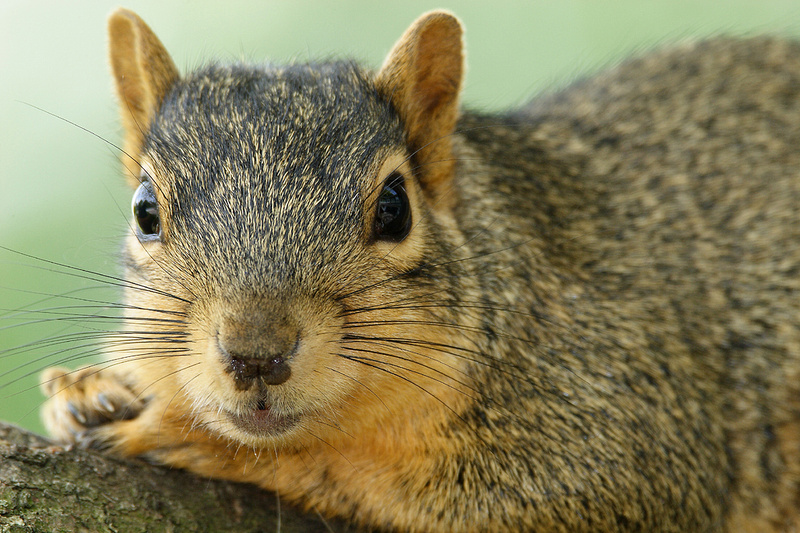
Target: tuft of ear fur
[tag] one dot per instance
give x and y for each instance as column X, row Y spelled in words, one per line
column 144, row 72
column 422, row 77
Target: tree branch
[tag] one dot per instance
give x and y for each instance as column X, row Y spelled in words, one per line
column 46, row 487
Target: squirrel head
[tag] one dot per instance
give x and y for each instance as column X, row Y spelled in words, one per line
column 421, row 77
column 277, row 210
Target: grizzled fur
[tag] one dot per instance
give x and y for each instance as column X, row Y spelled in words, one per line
column 592, row 324
column 252, row 150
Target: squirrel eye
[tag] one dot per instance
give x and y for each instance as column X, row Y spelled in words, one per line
column 393, row 216
column 145, row 211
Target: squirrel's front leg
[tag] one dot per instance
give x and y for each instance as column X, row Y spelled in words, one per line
column 99, row 408
column 94, row 407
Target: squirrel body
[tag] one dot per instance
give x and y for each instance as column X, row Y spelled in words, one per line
column 580, row 315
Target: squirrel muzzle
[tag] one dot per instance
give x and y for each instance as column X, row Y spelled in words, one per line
column 257, row 346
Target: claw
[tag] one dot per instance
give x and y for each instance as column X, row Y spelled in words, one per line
column 77, row 413
column 105, row 403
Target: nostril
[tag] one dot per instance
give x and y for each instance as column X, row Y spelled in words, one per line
column 243, row 370
column 277, row 371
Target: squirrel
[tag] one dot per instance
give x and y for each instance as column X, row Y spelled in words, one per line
column 578, row 315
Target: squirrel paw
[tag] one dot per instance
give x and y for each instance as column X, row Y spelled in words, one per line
column 82, row 401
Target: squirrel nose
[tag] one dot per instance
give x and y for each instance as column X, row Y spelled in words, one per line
column 272, row 370
column 257, row 349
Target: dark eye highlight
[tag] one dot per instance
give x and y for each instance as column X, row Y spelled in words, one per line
column 393, row 213
column 145, row 211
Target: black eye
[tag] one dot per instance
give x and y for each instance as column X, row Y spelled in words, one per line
column 145, row 211
column 393, row 216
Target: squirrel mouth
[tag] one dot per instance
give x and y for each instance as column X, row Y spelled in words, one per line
column 262, row 421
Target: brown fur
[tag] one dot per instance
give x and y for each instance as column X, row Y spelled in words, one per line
column 592, row 324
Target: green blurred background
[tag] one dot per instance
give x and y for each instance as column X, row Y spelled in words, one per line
column 61, row 193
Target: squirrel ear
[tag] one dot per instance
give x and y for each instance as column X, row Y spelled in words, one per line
column 143, row 72
column 422, row 77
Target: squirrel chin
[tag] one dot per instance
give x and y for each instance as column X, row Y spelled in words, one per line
column 261, row 422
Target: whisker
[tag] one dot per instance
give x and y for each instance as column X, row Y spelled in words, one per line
column 91, row 275
column 82, row 319
column 387, row 343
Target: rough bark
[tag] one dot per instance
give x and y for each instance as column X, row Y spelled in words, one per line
column 45, row 487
